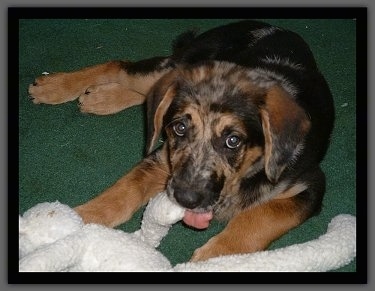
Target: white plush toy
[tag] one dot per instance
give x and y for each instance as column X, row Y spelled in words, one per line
column 53, row 238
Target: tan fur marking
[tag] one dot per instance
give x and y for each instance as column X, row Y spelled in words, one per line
column 267, row 137
column 252, row 230
column 159, row 114
column 195, row 111
column 228, row 120
column 197, row 75
column 282, row 119
column 292, row 191
column 282, row 109
column 250, row 156
column 163, row 92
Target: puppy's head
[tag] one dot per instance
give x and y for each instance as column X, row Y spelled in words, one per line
column 222, row 123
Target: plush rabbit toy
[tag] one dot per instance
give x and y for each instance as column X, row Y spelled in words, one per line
column 53, row 238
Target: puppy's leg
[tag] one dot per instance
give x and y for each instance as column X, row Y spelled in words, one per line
column 118, row 203
column 108, row 98
column 102, row 89
column 253, row 229
column 63, row 87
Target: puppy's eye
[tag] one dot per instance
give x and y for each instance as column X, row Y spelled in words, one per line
column 179, row 128
column 233, row 141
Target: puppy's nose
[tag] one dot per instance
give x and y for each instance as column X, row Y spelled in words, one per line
column 188, row 198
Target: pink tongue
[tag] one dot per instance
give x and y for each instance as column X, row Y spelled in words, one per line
column 198, row 220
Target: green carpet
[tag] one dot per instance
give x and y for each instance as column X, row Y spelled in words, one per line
column 67, row 156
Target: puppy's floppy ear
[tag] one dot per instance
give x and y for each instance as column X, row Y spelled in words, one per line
column 285, row 126
column 158, row 103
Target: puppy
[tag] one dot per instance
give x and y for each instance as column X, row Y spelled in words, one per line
column 246, row 118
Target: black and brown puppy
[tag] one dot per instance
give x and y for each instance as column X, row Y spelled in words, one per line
column 247, row 118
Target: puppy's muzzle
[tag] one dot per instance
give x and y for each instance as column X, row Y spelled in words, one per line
column 188, row 198
column 199, row 211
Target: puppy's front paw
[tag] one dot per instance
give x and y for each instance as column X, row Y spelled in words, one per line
column 53, row 89
column 213, row 248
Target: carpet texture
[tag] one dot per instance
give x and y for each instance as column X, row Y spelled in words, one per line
column 71, row 157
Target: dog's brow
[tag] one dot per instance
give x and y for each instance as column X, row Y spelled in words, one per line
column 228, row 123
column 182, row 118
column 179, row 118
